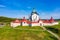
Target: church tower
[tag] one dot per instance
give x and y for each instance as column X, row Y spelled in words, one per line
column 34, row 16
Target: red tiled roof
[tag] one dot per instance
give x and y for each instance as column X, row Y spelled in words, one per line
column 29, row 22
column 36, row 21
column 46, row 21
column 25, row 20
column 49, row 21
column 16, row 21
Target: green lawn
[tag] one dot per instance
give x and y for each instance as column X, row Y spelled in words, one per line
column 8, row 33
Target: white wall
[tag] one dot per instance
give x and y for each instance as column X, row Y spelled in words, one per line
column 25, row 24
column 50, row 24
column 47, row 24
column 35, row 24
column 15, row 24
column 55, row 23
column 40, row 23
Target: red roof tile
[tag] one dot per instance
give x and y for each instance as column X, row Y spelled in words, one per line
column 46, row 21
column 51, row 20
column 36, row 21
column 16, row 21
column 25, row 20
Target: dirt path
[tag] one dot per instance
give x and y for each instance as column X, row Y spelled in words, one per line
column 51, row 33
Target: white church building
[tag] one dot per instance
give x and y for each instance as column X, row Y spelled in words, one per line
column 34, row 20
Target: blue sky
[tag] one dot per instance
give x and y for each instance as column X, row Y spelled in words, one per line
column 21, row 8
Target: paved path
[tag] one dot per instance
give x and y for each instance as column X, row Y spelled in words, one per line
column 51, row 33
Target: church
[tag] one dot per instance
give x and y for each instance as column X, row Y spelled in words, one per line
column 34, row 20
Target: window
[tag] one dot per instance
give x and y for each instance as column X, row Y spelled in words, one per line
column 24, row 22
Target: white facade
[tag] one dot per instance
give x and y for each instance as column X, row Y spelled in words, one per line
column 40, row 23
column 25, row 24
column 55, row 23
column 35, row 24
column 15, row 24
column 50, row 24
column 47, row 24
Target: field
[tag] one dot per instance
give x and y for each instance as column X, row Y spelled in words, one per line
column 24, row 33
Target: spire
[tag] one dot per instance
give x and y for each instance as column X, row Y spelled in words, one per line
column 23, row 17
column 51, row 20
column 34, row 10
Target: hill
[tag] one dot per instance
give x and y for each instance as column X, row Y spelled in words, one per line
column 6, row 19
column 24, row 33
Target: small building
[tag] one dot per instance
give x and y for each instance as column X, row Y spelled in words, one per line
column 16, row 23
column 50, row 22
column 25, row 22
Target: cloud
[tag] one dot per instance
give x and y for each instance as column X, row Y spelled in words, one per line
column 2, row 6
column 46, row 15
column 14, row 13
column 26, row 13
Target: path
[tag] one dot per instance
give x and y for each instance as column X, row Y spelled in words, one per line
column 51, row 33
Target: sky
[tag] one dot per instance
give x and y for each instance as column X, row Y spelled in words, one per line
column 23, row 8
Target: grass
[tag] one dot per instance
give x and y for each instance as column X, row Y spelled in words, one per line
column 55, row 28
column 9, row 33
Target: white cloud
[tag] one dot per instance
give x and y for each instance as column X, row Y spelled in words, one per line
column 14, row 13
column 55, row 14
column 26, row 13
column 43, row 14
column 2, row 6
column 19, row 13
